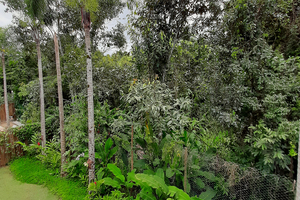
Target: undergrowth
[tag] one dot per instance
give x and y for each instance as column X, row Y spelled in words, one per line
column 30, row 170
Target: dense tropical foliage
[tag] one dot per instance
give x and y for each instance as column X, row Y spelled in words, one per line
column 203, row 80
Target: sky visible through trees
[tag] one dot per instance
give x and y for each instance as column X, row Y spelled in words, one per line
column 6, row 19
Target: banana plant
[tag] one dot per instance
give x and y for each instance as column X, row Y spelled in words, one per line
column 106, row 152
column 141, row 185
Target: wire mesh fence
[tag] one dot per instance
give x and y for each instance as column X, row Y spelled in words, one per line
column 227, row 181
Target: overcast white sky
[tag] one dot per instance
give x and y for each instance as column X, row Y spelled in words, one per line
column 6, row 18
column 122, row 18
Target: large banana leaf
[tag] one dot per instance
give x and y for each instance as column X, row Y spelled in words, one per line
column 153, row 181
column 116, row 171
column 178, row 193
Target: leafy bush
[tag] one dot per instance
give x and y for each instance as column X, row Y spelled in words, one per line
column 266, row 145
column 50, row 156
column 26, row 132
column 143, row 186
column 77, row 168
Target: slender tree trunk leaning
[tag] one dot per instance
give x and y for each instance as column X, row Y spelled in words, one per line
column 61, row 107
column 86, row 21
column 5, row 93
column 298, row 172
column 43, row 129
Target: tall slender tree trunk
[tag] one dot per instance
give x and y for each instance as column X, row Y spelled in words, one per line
column 43, row 129
column 185, row 170
column 86, row 21
column 131, row 147
column 61, row 107
column 298, row 172
column 5, row 92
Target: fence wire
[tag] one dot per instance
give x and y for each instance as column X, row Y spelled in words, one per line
column 231, row 181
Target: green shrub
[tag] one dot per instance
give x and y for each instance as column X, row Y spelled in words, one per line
column 25, row 132
column 141, row 185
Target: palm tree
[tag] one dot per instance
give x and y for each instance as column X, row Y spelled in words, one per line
column 42, row 102
column 3, row 44
column 61, row 107
column 86, row 21
column 298, row 172
column 5, row 92
column 35, row 10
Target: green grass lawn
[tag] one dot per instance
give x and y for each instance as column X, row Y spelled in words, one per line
column 30, row 170
column 11, row 189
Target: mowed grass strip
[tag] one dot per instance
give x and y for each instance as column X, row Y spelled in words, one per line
column 30, row 170
column 11, row 189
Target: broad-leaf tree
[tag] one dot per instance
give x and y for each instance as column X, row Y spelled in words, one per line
column 87, row 7
column 61, row 105
column 159, row 25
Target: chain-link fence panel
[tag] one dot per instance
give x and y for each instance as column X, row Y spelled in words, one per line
column 227, row 181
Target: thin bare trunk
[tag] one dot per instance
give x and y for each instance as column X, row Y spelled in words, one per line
column 91, row 162
column 185, row 170
column 131, row 147
column 43, row 129
column 60, row 47
column 298, row 172
column 176, row 82
column 61, row 107
column 5, row 92
column 58, row 28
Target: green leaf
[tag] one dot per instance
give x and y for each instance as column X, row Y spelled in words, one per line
column 188, row 187
column 100, row 173
column 110, row 182
column 292, row 153
column 108, row 145
column 97, row 156
column 156, row 162
column 140, row 163
column 112, row 153
column 153, row 181
column 208, row 194
column 195, row 198
column 178, row 193
column 208, row 175
column 169, row 172
column 131, row 175
column 158, row 192
column 200, row 183
column 147, row 195
column 116, row 171
column 172, row 190
column 160, row 173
